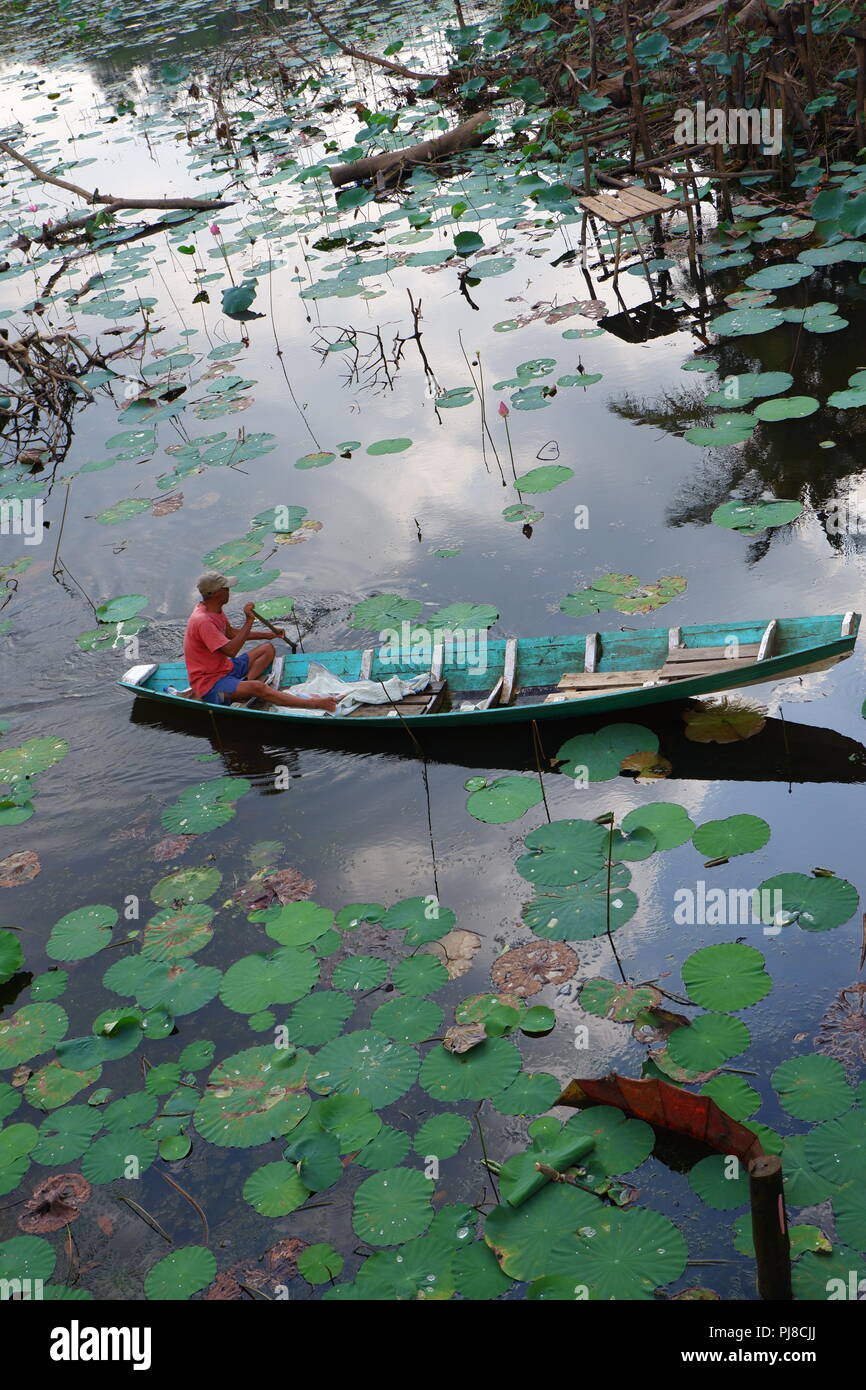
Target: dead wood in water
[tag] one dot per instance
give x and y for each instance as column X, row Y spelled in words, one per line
column 391, row 162
column 105, row 200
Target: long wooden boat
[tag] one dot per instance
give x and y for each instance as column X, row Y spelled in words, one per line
column 535, row 678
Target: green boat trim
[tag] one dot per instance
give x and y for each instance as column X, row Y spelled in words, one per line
column 538, row 678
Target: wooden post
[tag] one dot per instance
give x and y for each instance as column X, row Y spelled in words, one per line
column 770, row 1228
column 635, row 94
column 860, row 113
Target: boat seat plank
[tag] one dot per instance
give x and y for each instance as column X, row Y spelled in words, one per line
column 600, row 680
column 691, row 670
column 746, row 651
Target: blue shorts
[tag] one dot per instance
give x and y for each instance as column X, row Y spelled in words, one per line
column 221, row 693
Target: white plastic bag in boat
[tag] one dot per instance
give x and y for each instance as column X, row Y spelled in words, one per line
column 351, row 694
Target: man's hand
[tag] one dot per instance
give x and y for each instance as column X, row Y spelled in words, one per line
column 248, row 612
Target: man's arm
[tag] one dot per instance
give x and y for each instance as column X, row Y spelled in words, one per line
column 239, row 636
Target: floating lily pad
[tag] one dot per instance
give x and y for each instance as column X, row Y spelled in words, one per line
column 81, row 933
column 670, row 824
column 462, row 616
column 722, row 839
column 252, row 1097
column 389, row 446
column 563, row 852
column 812, row 1088
column 408, row 1019
column 177, row 933
column 584, row 911
column 320, row 1017
column 279, row 977
column 621, row 1002
column 115, row 610
column 484, row 1071
column 360, row 973
column 275, row 1189
column 724, row 720
column 627, row 1254
column 733, row 1095
column 543, row 479
column 623, row 592
column 123, row 510
column 708, row 1042
column 787, row 408
column 506, row 799
column 599, row 756
column 442, row 1136
column 815, row 904
column 365, row 1063
column 392, row 1206
column 33, row 1029
column 384, row 610
column 422, row 919
column 721, row 1183
column 537, row 1239
column 729, row 976
column 186, row 886
column 181, row 1274
column 738, row 323
column 752, row 518
column 421, row 974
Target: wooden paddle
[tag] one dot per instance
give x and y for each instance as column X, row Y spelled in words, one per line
column 269, row 626
column 294, row 645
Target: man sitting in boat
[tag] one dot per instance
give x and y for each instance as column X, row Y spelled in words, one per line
column 219, row 671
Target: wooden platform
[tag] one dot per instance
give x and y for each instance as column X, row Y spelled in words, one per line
column 627, row 205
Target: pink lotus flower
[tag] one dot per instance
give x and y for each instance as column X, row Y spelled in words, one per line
column 214, row 229
column 503, row 409
column 32, row 207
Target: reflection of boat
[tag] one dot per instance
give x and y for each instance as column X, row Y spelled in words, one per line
column 539, row 678
column 781, row 752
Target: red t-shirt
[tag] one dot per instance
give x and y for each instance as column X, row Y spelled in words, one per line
column 205, row 633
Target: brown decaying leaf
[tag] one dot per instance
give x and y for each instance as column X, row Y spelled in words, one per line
column 461, row 1037
column 279, row 1265
column 724, row 720
column 105, row 1225
column 303, row 533
column 655, row 1025
column 171, row 847
column 21, row 1075
column 166, row 505
column 55, row 1202
column 524, row 970
column 281, row 886
column 19, row 868
column 842, row 1032
column 650, row 767
column 456, row 951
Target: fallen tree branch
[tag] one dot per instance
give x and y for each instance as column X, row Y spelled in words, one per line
column 462, row 137
column 108, row 199
column 352, row 52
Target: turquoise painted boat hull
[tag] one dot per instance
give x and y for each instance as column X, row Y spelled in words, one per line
column 800, row 646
